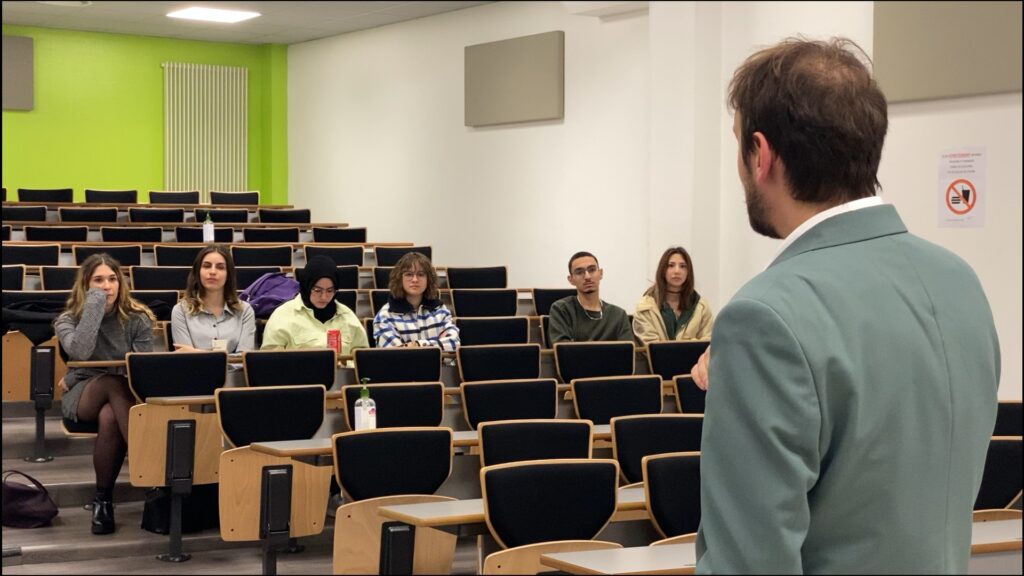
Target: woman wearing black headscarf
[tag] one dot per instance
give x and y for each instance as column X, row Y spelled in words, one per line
column 303, row 321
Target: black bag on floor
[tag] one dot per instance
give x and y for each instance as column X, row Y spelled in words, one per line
column 26, row 506
column 199, row 510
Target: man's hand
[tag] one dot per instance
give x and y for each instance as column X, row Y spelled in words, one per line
column 699, row 372
column 413, row 344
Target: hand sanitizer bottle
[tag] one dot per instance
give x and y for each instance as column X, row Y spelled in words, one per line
column 208, row 229
column 366, row 410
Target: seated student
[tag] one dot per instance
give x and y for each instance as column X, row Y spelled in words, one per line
column 303, row 321
column 585, row 317
column 671, row 309
column 414, row 315
column 211, row 309
column 102, row 322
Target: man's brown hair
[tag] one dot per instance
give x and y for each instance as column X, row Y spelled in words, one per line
column 820, row 110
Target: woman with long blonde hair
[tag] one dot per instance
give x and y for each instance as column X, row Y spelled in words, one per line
column 102, row 322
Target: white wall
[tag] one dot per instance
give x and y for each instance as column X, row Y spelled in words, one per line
column 644, row 159
column 376, row 137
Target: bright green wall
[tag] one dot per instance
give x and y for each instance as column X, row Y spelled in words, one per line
column 98, row 116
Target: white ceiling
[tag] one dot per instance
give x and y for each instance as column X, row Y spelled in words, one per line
column 280, row 23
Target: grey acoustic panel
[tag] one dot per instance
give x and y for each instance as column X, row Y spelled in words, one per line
column 928, row 50
column 516, row 80
column 18, row 78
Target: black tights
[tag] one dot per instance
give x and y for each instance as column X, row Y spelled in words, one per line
column 106, row 400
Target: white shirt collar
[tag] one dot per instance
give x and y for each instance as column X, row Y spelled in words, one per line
column 820, row 217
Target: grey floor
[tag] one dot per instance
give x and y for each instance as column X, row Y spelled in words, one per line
column 68, row 547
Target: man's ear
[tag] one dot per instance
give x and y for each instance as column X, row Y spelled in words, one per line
column 764, row 157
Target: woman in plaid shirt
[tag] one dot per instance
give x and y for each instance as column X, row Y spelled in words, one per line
column 414, row 315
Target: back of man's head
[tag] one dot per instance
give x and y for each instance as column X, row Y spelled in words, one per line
column 820, row 110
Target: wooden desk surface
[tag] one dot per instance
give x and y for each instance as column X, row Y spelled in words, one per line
column 986, row 537
column 232, row 359
column 124, row 206
column 454, row 512
column 995, row 536
column 322, row 446
column 180, row 400
column 302, row 226
column 668, row 559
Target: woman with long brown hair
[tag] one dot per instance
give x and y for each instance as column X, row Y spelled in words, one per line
column 671, row 309
column 211, row 316
column 102, row 322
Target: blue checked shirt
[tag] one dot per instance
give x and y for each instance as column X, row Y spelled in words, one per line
column 431, row 325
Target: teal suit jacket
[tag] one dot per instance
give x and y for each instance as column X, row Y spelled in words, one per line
column 851, row 399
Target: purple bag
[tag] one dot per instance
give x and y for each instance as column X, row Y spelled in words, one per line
column 26, row 506
column 268, row 292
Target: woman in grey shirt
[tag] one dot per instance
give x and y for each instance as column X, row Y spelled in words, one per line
column 101, row 322
column 211, row 312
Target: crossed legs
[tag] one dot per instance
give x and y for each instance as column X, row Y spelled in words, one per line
column 107, row 400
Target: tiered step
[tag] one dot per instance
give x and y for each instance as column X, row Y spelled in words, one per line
column 68, row 547
column 20, row 434
column 69, row 539
column 71, row 483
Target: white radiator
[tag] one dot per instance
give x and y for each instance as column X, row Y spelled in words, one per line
column 205, row 127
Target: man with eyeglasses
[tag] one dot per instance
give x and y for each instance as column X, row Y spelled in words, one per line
column 585, row 317
column 303, row 321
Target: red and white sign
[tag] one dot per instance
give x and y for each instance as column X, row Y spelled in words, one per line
column 962, row 188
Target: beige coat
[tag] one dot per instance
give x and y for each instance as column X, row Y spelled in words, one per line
column 649, row 327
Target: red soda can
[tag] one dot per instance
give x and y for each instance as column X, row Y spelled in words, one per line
column 334, row 340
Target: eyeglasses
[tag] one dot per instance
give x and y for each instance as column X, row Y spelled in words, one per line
column 323, row 291
column 410, row 275
column 581, row 272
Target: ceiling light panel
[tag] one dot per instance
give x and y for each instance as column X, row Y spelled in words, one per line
column 213, row 15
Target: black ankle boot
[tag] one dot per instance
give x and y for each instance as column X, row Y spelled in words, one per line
column 102, row 517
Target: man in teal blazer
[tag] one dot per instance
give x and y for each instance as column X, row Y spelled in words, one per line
column 852, row 384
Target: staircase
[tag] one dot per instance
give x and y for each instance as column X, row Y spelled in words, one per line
column 68, row 546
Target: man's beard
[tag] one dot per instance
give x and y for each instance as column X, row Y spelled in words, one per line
column 757, row 211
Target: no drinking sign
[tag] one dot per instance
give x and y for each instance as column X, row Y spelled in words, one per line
column 962, row 188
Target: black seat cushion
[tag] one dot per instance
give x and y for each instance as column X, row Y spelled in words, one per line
column 637, row 437
column 389, row 462
column 545, row 502
column 512, row 400
column 171, row 374
column 398, row 405
column 503, row 442
column 673, row 489
column 289, row 367
column 382, row 365
column 601, row 399
column 589, row 359
column 250, row 415
column 1001, row 481
column 483, row 331
column 80, row 427
column 499, row 362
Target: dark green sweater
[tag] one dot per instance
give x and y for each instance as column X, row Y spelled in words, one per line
column 569, row 322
